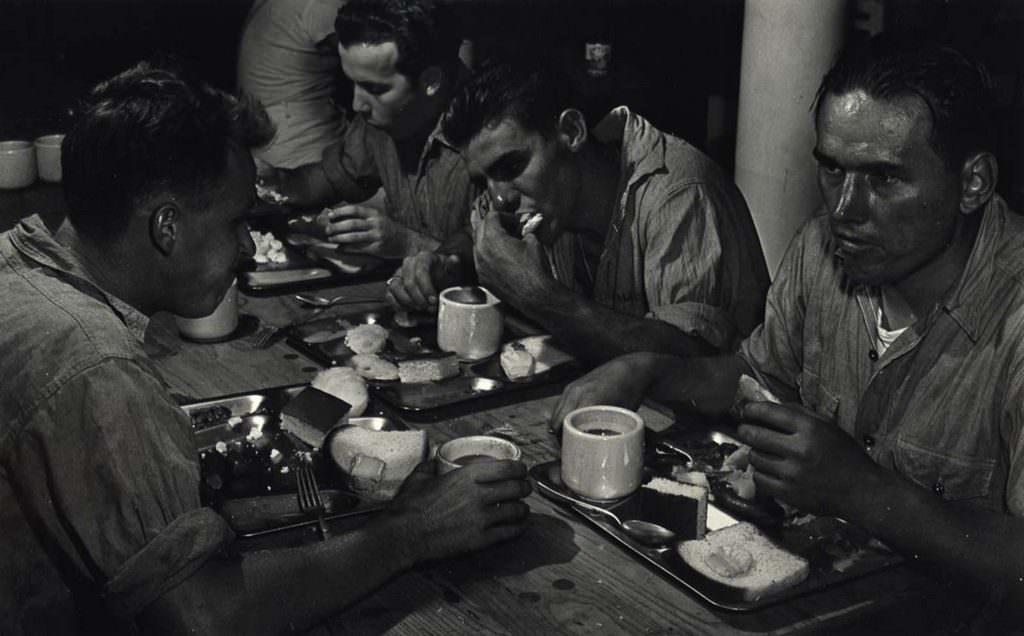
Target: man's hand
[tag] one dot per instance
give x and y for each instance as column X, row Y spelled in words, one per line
column 620, row 382
column 511, row 268
column 362, row 229
column 421, row 277
column 467, row 509
column 803, row 459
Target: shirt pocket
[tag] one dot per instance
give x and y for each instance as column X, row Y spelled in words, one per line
column 816, row 396
column 952, row 477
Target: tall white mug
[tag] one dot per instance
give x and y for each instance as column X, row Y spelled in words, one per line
column 469, row 322
column 218, row 325
column 602, row 452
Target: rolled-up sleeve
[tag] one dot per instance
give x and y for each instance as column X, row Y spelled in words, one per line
column 683, row 268
column 107, row 468
column 349, row 164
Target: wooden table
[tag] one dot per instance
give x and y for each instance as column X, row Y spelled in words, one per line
column 562, row 576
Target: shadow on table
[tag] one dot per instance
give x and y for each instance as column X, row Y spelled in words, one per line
column 547, row 541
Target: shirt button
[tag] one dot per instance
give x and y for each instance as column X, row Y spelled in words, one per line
column 939, row 488
column 873, row 355
column 869, row 441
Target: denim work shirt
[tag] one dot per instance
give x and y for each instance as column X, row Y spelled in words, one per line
column 681, row 246
column 98, row 466
column 944, row 405
column 430, row 193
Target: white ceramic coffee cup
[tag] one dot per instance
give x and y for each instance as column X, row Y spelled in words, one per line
column 216, row 326
column 470, row 329
column 48, row 157
column 17, row 164
column 463, row 451
column 602, row 452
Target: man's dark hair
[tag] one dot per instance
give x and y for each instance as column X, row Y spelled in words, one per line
column 532, row 96
column 956, row 89
column 148, row 131
column 424, row 33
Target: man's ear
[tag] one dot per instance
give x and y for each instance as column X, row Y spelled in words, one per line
column 572, row 129
column 978, row 177
column 431, row 79
column 164, row 227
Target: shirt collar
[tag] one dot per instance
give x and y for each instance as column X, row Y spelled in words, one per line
column 35, row 241
column 643, row 145
column 966, row 303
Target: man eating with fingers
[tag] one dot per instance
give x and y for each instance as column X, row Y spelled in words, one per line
column 893, row 334
column 402, row 58
column 613, row 239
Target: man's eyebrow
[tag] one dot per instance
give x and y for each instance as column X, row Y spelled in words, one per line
column 502, row 161
column 869, row 166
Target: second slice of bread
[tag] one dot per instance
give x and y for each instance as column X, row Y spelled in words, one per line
column 769, row 569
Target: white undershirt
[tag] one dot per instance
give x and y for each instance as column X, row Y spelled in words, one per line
column 885, row 336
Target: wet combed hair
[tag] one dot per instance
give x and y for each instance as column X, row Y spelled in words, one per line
column 149, row 131
column 957, row 90
column 532, row 96
column 424, row 33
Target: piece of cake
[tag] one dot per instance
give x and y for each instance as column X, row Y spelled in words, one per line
column 345, row 384
column 378, row 462
column 312, row 414
column 432, row 369
column 517, row 363
column 683, row 501
column 373, row 367
column 742, row 558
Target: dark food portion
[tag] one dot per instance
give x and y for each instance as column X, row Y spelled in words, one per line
column 312, row 414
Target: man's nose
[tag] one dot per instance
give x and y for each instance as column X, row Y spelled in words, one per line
column 359, row 102
column 505, row 199
column 850, row 205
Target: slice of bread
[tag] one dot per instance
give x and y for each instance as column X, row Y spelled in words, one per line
column 418, row 370
column 345, row 384
column 378, row 462
column 742, row 558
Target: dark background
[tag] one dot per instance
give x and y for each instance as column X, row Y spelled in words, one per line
column 669, row 56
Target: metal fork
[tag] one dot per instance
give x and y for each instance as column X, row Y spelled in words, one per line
column 310, row 500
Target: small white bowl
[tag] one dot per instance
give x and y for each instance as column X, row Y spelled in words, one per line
column 17, row 164
column 48, row 157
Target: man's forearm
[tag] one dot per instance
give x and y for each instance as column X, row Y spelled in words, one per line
column 410, row 241
column 276, row 591
column 979, row 545
column 598, row 333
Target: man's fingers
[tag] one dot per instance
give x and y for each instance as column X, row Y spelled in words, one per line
column 498, row 470
column 505, row 491
column 765, row 439
column 505, row 513
column 772, row 465
column 782, row 417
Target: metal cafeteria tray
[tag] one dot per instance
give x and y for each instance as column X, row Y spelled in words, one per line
column 304, row 267
column 836, row 551
column 247, row 473
column 324, row 341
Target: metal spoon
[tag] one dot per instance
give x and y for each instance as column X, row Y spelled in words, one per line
column 643, row 532
column 320, row 301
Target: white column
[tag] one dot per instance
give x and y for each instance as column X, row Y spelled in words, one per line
column 788, row 45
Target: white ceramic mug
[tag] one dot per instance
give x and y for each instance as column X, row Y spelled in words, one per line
column 17, row 164
column 463, row 451
column 472, row 330
column 602, row 452
column 48, row 157
column 216, row 326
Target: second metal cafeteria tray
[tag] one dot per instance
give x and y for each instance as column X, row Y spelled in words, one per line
column 324, row 341
column 247, row 462
column 835, row 550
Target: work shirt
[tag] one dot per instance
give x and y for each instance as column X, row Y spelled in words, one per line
column 428, row 190
column 282, row 62
column 681, row 246
column 96, row 459
column 943, row 405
